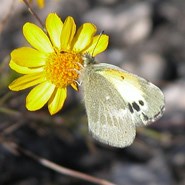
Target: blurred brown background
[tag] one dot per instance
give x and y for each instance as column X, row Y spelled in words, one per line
column 147, row 38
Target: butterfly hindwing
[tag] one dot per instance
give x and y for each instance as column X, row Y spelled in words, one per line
column 109, row 119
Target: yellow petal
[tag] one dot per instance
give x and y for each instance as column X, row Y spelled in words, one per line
column 74, row 86
column 27, row 81
column 37, row 38
column 83, row 37
column 28, row 57
column 54, row 27
column 40, row 3
column 39, row 96
column 24, row 70
column 57, row 100
column 68, row 31
column 99, row 44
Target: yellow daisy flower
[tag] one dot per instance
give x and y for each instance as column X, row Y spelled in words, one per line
column 54, row 60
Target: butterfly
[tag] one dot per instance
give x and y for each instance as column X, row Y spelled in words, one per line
column 117, row 102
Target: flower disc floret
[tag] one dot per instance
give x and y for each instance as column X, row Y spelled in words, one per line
column 62, row 68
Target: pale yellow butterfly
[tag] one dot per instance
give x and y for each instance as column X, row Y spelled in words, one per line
column 117, row 102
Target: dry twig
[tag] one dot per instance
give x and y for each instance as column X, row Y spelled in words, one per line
column 16, row 149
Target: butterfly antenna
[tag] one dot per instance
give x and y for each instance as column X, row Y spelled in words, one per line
column 97, row 42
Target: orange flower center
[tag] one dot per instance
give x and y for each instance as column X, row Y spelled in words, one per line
column 62, row 68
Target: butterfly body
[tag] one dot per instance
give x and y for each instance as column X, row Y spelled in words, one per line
column 117, row 101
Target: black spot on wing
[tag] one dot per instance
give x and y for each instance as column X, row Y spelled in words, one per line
column 145, row 117
column 156, row 116
column 130, row 108
column 123, row 77
column 162, row 109
column 136, row 106
column 141, row 102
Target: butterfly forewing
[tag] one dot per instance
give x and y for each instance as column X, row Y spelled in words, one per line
column 144, row 100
